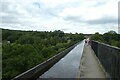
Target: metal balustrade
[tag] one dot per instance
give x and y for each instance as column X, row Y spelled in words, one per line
column 109, row 56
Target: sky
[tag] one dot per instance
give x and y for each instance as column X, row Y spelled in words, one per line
column 81, row 16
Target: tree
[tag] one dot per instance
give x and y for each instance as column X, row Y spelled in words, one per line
column 111, row 38
column 97, row 37
column 26, row 39
column 29, row 48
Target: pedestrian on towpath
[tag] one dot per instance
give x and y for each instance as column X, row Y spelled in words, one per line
column 87, row 41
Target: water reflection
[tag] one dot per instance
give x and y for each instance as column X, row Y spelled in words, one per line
column 68, row 66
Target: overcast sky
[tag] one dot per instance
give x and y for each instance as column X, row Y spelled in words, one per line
column 82, row 16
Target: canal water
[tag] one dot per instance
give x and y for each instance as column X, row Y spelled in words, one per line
column 68, row 66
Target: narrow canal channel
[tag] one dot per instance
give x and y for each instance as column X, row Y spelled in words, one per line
column 68, row 66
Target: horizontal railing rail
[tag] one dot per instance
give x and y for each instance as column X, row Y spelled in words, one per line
column 109, row 56
column 35, row 72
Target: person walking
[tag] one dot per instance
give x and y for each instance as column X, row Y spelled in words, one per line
column 87, row 41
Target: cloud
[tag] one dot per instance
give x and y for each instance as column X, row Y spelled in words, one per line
column 67, row 15
column 102, row 20
column 9, row 19
column 73, row 18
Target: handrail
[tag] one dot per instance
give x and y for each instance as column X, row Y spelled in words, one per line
column 109, row 56
column 35, row 72
column 106, row 44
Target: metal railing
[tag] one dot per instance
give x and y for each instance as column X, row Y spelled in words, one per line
column 109, row 56
column 35, row 72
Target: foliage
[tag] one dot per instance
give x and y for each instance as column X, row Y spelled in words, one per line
column 111, row 38
column 23, row 50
